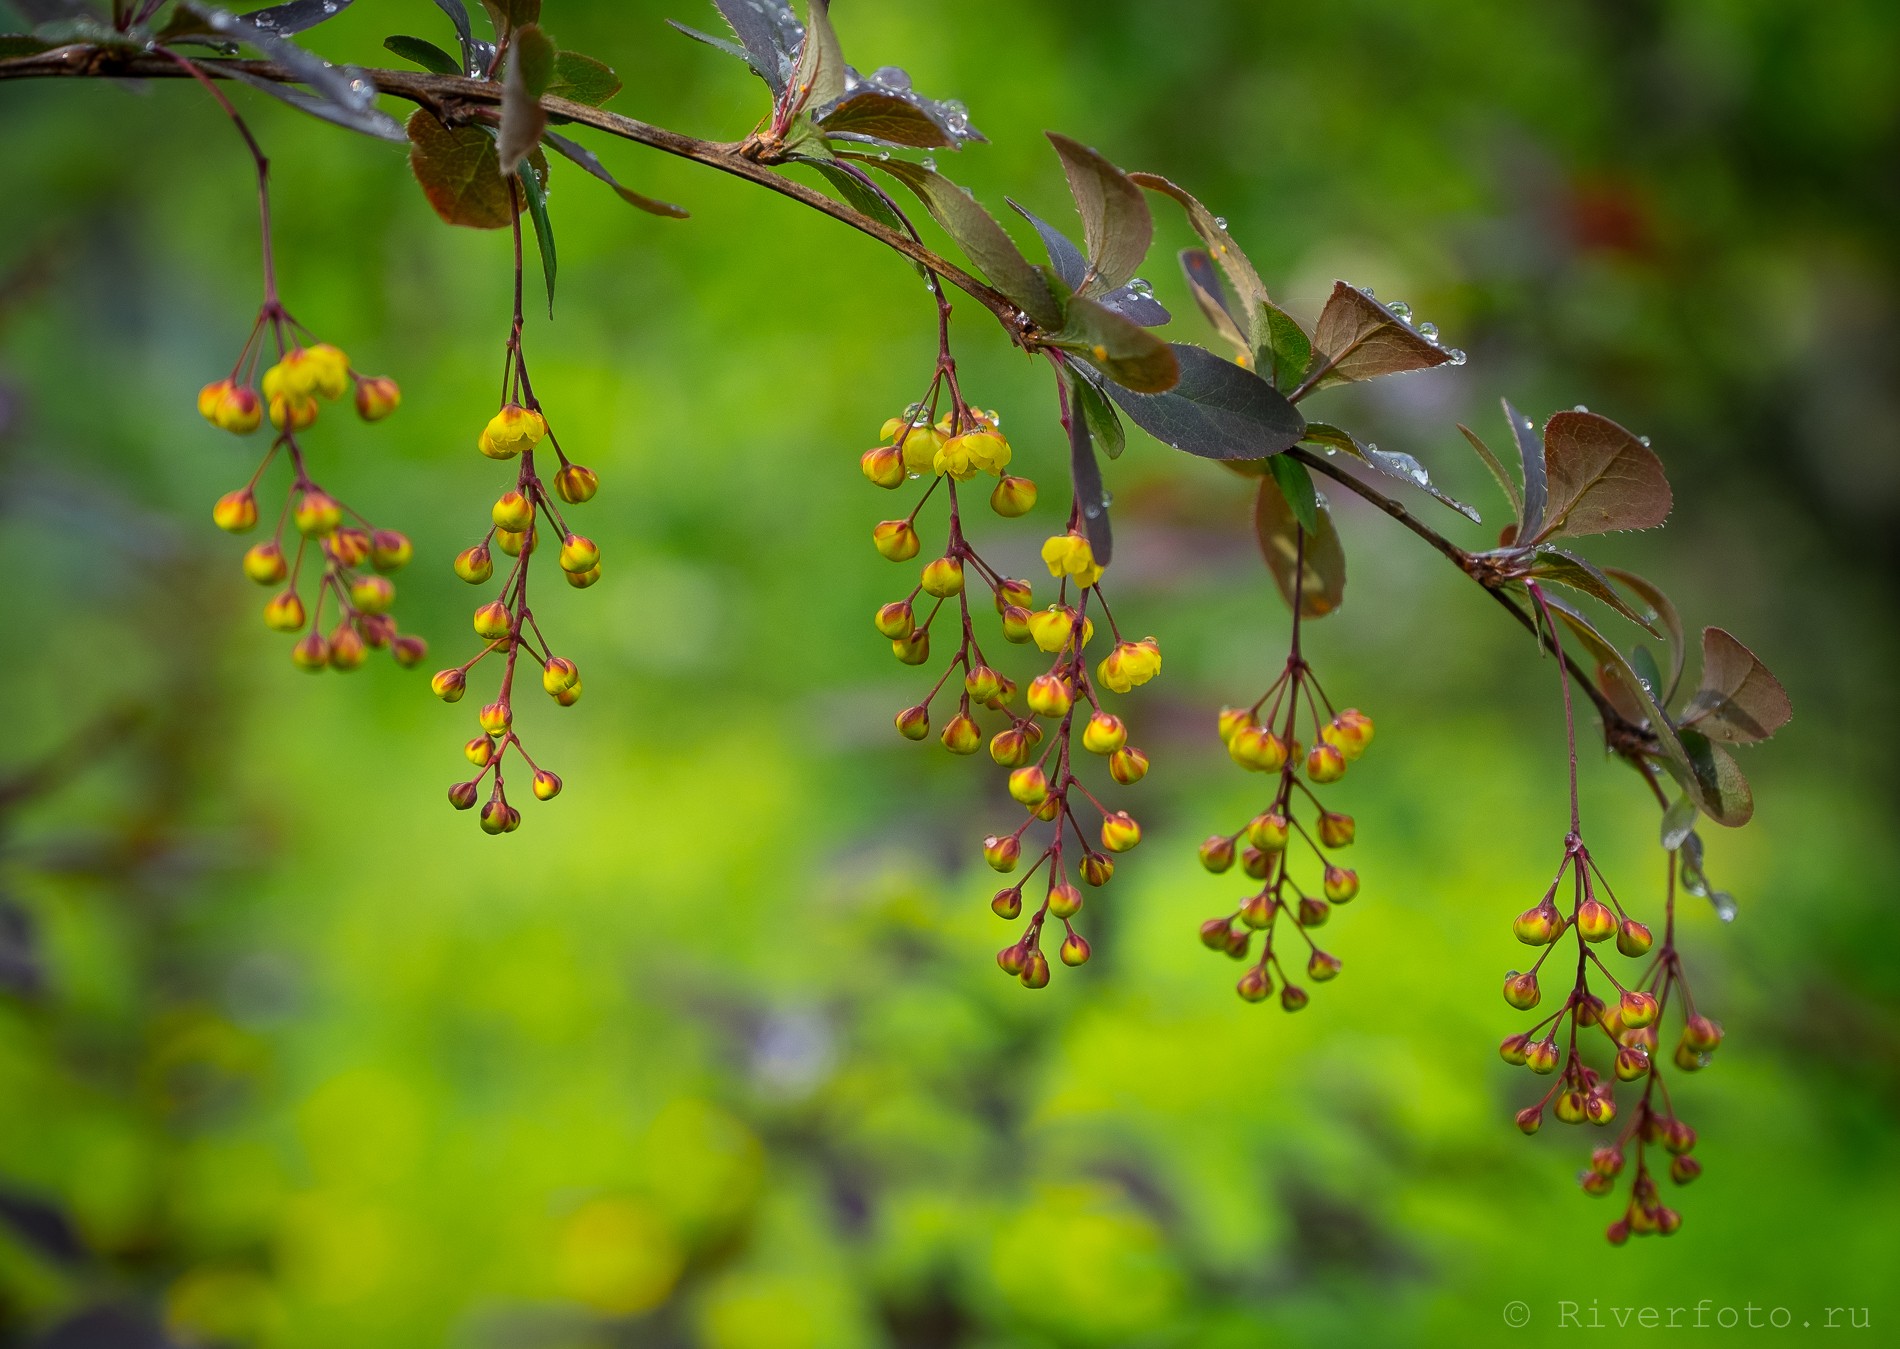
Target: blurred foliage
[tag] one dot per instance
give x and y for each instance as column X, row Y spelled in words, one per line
column 712, row 1053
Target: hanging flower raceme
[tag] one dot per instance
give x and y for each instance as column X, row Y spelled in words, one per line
column 1295, row 824
column 338, row 558
column 506, row 624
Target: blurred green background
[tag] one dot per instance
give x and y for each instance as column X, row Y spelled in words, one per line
column 713, row 1051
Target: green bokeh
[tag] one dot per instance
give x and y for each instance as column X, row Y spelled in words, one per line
column 713, row 1052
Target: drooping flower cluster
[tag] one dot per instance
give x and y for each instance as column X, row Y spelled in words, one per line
column 955, row 449
column 1629, row 1030
column 1265, row 738
column 340, row 560
column 506, row 624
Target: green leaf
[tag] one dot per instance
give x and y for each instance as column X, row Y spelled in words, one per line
column 1504, row 479
column 421, row 52
column 523, row 119
column 460, row 173
column 1554, row 564
column 1116, row 226
column 543, row 227
column 1358, row 338
column 1671, row 620
column 1724, row 791
column 1120, row 348
column 582, row 79
column 1600, row 477
column 1216, row 410
column 1315, row 572
column 860, row 196
column 1739, row 699
column 581, row 155
column 818, row 76
column 1285, row 353
column 1105, row 424
column 1296, row 485
column 976, row 232
column 1250, row 292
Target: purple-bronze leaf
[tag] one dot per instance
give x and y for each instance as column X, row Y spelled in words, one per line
column 1116, row 225
column 1739, row 700
column 1316, row 572
column 1601, row 479
column 1358, row 338
column 1216, row 410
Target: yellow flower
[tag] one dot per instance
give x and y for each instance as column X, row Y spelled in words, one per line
column 962, row 457
column 1069, row 555
column 1130, row 665
column 921, row 446
column 511, row 431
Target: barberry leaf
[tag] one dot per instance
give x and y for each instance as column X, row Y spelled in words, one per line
column 582, row 79
column 1580, row 574
column 1296, row 485
column 1393, row 464
column 982, row 240
column 1739, row 700
column 1085, row 471
column 523, row 119
column 421, row 52
column 770, row 34
column 296, row 15
column 347, row 88
column 1671, row 621
column 1601, row 478
column 581, row 155
column 1119, row 347
column 1116, row 226
column 1512, row 491
column 1205, row 285
column 1216, row 410
column 537, row 200
column 1105, row 424
column 1311, row 565
column 1249, row 291
column 1723, row 788
column 460, row 173
column 509, row 15
column 1358, row 338
column 861, row 196
column 887, row 118
column 774, row 82
column 371, row 121
column 1285, row 352
column 818, row 76
column 1530, row 457
column 476, row 54
column 1071, row 267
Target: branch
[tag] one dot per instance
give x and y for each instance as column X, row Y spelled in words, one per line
column 1621, row 736
column 456, row 100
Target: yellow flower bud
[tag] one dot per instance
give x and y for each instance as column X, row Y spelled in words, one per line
column 896, row 540
column 493, row 621
column 376, row 397
column 235, row 512
column 311, row 653
column 559, row 673
column 496, row 718
column 1029, row 785
column 546, row 785
column 1339, row 885
column 1120, row 832
column 1013, row 497
column 1050, row 696
column 511, row 431
column 579, row 553
column 884, row 466
column 389, row 550
column 944, row 577
column 961, row 735
column 1268, row 832
column 513, row 512
column 264, row 563
column 317, row 514
column 328, row 370
column 1052, row 628
column 373, row 594
column 1069, row 555
column 449, row 685
column 480, row 750
column 292, row 412
column 1325, row 764
column 895, row 620
column 1104, row 734
column 1257, row 749
column 474, row 565
column 284, row 612
column 1128, row 765
column 576, row 484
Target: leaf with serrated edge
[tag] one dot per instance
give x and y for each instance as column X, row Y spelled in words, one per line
column 459, row 173
column 1116, row 225
column 423, row 53
column 1217, row 410
column 581, row 155
column 976, row 232
column 875, row 115
column 1511, row 490
column 1105, row 424
column 1120, row 348
column 1394, row 465
column 1601, row 478
column 1086, row 474
column 1322, row 580
column 582, row 79
column 1249, row 291
column 770, row 33
column 1359, row 338
column 1581, row 574
column 818, row 76
column 1739, row 700
column 1671, row 621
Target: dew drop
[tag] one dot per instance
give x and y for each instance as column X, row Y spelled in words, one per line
column 1093, row 512
column 1643, row 441
column 1457, row 356
column 1724, row 905
column 1220, row 222
column 930, row 163
column 1400, row 308
column 1580, row 408
column 1429, row 331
